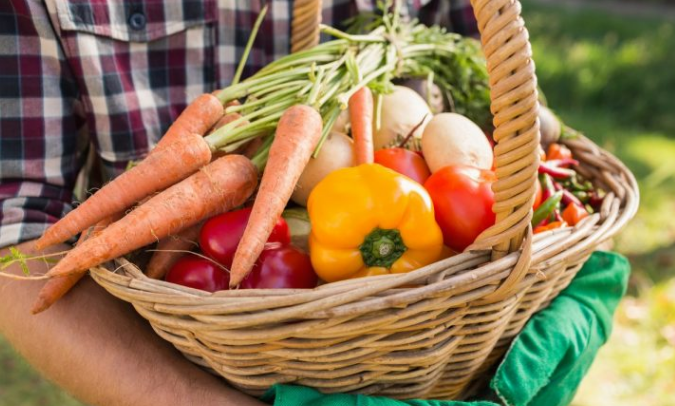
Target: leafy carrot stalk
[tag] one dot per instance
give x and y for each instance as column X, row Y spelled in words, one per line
column 227, row 119
column 55, row 288
column 297, row 134
column 218, row 187
column 361, row 116
column 159, row 170
column 197, row 118
column 170, row 249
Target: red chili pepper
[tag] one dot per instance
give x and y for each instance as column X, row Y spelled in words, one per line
column 543, row 223
column 555, row 172
column 568, row 197
column 565, row 162
column 548, row 188
column 595, row 200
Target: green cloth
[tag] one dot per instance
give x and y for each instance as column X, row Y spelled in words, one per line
column 545, row 363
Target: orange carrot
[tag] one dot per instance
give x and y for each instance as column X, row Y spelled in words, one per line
column 297, row 135
column 170, row 249
column 158, row 171
column 197, row 118
column 226, row 119
column 220, row 186
column 56, row 288
column 361, row 117
column 249, row 150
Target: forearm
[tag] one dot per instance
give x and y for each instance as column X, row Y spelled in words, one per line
column 101, row 351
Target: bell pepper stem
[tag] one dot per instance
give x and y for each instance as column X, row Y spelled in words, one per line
column 381, row 248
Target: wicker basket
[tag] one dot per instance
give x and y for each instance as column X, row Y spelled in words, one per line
column 379, row 335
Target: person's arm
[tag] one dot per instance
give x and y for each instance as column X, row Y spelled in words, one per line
column 99, row 350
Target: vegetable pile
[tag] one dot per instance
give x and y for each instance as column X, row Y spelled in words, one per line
column 392, row 179
column 563, row 198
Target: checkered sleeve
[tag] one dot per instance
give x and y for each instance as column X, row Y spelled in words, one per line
column 39, row 161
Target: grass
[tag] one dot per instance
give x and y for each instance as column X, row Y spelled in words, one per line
column 611, row 77
column 20, row 385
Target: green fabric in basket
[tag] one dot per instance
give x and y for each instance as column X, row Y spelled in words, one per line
column 547, row 360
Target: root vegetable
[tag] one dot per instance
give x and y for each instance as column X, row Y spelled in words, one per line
column 197, row 118
column 361, row 107
column 298, row 132
column 165, row 166
column 337, row 152
column 421, row 86
column 218, row 187
column 402, row 110
column 56, row 288
column 170, row 249
column 342, row 122
column 452, row 139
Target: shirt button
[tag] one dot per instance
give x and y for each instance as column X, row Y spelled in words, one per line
column 137, row 21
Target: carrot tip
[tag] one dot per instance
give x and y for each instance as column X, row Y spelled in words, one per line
column 39, row 306
column 38, row 245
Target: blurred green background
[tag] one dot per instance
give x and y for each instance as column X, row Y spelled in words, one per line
column 611, row 75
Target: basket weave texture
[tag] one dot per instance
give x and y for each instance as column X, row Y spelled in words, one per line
column 431, row 333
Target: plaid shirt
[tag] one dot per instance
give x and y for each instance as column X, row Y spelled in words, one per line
column 114, row 74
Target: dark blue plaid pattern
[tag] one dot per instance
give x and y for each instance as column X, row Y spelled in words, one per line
column 113, row 74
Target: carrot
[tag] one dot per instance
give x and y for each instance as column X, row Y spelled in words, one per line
column 158, row 171
column 226, row 119
column 170, row 249
column 297, row 135
column 361, row 117
column 220, row 186
column 197, row 118
column 251, row 148
column 56, row 288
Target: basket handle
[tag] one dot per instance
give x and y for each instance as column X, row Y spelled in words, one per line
column 305, row 25
column 515, row 107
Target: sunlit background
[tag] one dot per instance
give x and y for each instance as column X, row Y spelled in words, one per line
column 607, row 69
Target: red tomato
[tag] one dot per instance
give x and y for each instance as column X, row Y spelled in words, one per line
column 198, row 273
column 538, row 195
column 220, row 235
column 281, row 268
column 463, row 200
column 405, row 162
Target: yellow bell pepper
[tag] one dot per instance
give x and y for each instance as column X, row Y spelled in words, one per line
column 369, row 220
